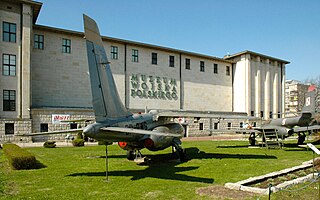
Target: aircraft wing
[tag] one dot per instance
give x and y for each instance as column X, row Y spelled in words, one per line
column 137, row 131
column 220, row 115
column 306, row 128
column 76, row 120
column 79, row 130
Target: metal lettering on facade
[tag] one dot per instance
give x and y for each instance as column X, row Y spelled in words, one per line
column 153, row 87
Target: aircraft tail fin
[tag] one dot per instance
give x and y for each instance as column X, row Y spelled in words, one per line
column 310, row 101
column 106, row 102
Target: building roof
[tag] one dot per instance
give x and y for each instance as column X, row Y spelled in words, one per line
column 256, row 54
column 34, row 4
column 122, row 41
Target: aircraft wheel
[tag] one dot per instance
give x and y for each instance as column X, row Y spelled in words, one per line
column 131, row 155
column 181, row 152
column 182, row 155
column 301, row 139
column 252, row 140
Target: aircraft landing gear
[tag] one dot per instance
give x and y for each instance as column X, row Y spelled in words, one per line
column 179, row 150
column 133, row 154
column 252, row 139
column 301, row 138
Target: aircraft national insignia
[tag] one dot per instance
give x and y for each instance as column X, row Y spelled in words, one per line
column 308, row 101
column 284, row 121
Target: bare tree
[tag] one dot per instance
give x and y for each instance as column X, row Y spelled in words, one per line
column 313, row 80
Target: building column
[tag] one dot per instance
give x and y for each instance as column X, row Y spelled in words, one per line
column 271, row 69
column 257, row 92
column 275, row 91
column 283, row 87
column 267, row 90
column 25, row 98
column 248, row 84
column 279, row 88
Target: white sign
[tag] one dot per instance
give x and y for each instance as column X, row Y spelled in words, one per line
column 311, row 146
column 308, row 101
column 57, row 118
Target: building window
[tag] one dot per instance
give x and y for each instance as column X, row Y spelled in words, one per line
column 154, row 58
column 73, row 125
column 241, row 125
column 187, row 63
column 135, row 55
column 114, row 52
column 228, row 70
column 261, row 114
column 44, row 127
column 229, row 125
column 9, row 32
column 252, row 113
column 201, row 126
column 215, row 126
column 171, row 61
column 8, row 65
column 9, row 100
column 38, row 41
column 271, row 115
column 215, row 68
column 66, row 45
column 201, row 66
column 9, row 128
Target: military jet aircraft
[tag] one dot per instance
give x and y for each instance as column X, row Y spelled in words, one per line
column 285, row 127
column 114, row 123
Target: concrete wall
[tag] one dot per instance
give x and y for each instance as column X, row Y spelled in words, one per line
column 49, row 81
column 206, row 91
column 11, row 13
column 259, row 85
column 61, row 79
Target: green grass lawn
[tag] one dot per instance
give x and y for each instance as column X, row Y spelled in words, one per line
column 79, row 173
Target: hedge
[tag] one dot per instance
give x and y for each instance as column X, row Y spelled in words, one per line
column 78, row 142
column 20, row 158
column 49, row 144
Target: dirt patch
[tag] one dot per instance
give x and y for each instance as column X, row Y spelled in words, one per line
column 220, row 192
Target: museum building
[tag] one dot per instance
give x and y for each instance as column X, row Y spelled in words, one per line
column 44, row 78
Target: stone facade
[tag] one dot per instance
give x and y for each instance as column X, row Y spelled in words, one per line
column 56, row 74
column 21, row 126
column 259, row 83
column 51, row 78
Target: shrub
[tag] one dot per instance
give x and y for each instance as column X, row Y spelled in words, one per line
column 309, row 170
column 20, row 158
column 78, row 142
column 292, row 176
column 102, row 142
column 283, row 178
column 302, row 173
column 49, row 144
column 271, row 181
column 79, row 136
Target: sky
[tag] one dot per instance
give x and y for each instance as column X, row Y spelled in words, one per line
column 284, row 29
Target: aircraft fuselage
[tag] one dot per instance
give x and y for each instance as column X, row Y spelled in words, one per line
column 136, row 121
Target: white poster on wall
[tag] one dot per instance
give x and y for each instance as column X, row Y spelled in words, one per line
column 57, row 118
